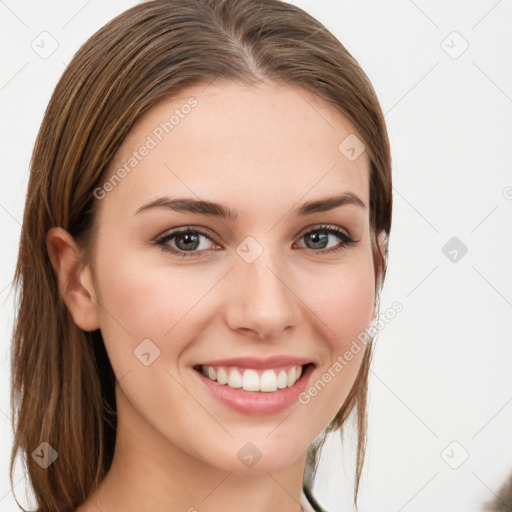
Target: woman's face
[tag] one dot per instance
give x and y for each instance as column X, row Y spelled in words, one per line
column 250, row 291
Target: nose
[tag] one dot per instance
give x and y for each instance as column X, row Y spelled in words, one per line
column 261, row 300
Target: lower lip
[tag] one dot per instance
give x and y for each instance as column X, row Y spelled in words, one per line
column 257, row 402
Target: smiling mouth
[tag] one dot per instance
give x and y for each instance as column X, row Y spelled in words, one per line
column 251, row 379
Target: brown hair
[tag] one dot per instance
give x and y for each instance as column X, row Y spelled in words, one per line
column 62, row 381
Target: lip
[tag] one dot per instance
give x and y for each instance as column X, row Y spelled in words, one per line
column 258, row 363
column 257, row 402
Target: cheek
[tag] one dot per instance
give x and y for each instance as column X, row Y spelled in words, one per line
column 142, row 300
column 344, row 302
column 344, row 305
column 352, row 306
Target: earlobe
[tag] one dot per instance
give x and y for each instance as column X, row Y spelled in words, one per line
column 74, row 279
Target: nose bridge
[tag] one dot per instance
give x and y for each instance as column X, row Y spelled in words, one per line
column 261, row 297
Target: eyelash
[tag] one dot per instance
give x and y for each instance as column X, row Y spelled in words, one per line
column 161, row 242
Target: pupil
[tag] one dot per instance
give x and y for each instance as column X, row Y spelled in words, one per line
column 189, row 240
column 318, row 239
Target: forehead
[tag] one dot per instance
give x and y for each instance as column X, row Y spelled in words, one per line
column 238, row 144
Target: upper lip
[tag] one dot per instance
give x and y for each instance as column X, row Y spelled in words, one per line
column 258, row 362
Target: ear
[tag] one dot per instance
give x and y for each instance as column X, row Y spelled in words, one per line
column 382, row 241
column 380, row 255
column 74, row 279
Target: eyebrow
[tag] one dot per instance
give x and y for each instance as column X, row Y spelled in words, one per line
column 222, row 211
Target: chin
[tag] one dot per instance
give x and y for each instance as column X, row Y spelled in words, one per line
column 255, row 454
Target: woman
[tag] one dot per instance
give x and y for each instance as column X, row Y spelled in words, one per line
column 202, row 252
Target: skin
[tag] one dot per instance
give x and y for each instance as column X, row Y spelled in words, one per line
column 263, row 151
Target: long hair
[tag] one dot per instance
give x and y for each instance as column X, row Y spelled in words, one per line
column 62, row 380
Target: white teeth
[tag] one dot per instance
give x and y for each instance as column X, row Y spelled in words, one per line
column 250, row 380
column 234, row 379
column 282, row 379
column 222, row 376
column 291, row 376
column 268, row 381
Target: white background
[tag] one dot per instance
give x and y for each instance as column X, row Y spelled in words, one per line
column 442, row 367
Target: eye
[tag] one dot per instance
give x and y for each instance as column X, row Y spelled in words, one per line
column 318, row 238
column 187, row 242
